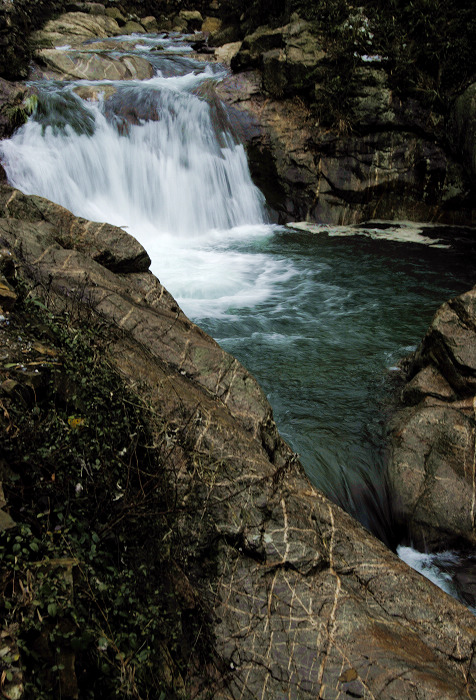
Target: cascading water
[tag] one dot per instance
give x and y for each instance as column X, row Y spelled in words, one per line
column 318, row 319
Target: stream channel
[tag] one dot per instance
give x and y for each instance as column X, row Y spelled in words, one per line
column 320, row 318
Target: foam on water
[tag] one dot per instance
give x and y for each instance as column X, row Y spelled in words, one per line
column 179, row 182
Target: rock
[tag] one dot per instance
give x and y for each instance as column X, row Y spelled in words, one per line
column 432, row 473
column 150, row 24
column 254, row 45
column 309, row 172
column 89, row 92
column 371, row 99
column 192, row 18
column 428, row 382
column 226, row 35
column 6, row 522
column 11, row 99
column 432, row 467
column 92, row 66
column 132, row 27
column 73, row 26
column 179, row 24
column 8, row 296
column 290, row 57
column 106, row 244
column 450, row 343
column 211, row 25
column 93, row 8
column 301, row 600
column 116, row 15
column 462, row 127
column 224, row 54
column 7, row 264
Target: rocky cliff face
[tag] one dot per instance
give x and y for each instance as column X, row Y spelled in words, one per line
column 383, row 155
column 432, row 467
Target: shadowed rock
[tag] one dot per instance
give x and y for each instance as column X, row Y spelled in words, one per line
column 432, row 467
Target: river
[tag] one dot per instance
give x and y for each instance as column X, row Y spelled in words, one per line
column 320, row 317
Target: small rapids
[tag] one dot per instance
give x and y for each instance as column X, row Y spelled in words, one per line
column 321, row 319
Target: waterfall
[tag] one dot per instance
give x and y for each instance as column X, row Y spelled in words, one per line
column 159, row 158
column 179, row 171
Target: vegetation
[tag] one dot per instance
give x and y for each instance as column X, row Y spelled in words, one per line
column 87, row 575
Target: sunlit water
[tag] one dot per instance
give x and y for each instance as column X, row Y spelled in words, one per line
column 320, row 318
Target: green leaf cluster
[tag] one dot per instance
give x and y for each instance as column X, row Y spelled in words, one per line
column 85, row 573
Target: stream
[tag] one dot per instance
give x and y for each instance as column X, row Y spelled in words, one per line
column 321, row 317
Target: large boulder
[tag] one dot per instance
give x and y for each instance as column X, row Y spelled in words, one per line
column 300, row 600
column 92, row 66
column 72, row 27
column 432, row 462
column 289, row 56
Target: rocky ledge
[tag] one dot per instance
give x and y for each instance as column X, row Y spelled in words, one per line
column 432, row 467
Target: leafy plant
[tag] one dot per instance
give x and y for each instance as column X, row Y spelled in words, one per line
column 85, row 576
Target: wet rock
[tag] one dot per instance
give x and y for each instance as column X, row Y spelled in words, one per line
column 432, row 466
column 428, row 382
column 92, row 66
column 450, row 343
column 11, row 99
column 309, row 172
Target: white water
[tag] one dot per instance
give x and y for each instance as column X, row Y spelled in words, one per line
column 178, row 182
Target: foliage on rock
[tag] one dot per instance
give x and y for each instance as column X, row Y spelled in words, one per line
column 85, row 576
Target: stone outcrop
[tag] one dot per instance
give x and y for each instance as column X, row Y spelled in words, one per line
column 432, row 463
column 74, row 65
column 75, row 26
column 382, row 158
column 303, row 601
